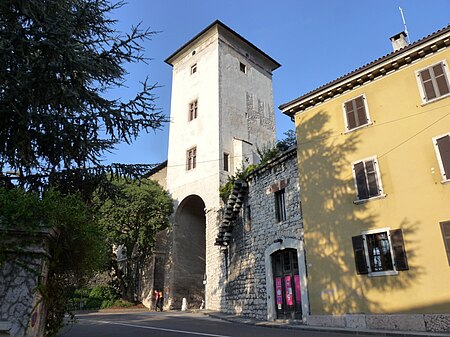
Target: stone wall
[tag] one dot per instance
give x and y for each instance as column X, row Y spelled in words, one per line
column 403, row 322
column 244, row 291
column 21, row 307
column 19, row 278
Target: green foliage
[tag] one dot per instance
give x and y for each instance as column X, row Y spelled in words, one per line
column 266, row 154
column 20, row 208
column 99, row 297
column 225, row 190
column 289, row 141
column 58, row 117
column 103, row 293
column 71, row 261
column 242, row 173
column 69, row 215
column 59, row 60
column 122, row 303
column 131, row 220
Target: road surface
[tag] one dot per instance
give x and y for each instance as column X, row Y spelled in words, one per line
column 172, row 324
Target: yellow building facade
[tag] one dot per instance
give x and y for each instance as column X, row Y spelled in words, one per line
column 374, row 166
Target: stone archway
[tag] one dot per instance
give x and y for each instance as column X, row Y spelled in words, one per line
column 280, row 245
column 189, row 252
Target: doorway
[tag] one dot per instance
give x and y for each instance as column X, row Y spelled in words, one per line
column 286, row 281
column 189, row 252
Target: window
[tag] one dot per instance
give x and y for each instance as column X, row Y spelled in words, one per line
column 356, row 113
column 433, row 81
column 380, row 252
column 367, row 179
column 445, row 228
column 248, row 219
column 191, row 158
column 442, row 147
column 280, row 205
column 193, row 107
column 226, row 157
column 243, row 67
column 194, row 69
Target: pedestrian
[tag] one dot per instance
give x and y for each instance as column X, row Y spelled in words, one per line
column 156, row 300
column 160, row 302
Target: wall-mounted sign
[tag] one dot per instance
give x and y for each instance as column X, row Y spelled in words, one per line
column 278, row 292
column 287, row 282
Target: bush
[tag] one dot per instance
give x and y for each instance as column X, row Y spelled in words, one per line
column 103, row 293
column 99, row 297
column 122, row 304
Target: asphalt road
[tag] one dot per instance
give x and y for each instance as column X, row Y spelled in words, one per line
column 172, row 324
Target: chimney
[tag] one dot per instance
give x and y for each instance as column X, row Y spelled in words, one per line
column 399, row 41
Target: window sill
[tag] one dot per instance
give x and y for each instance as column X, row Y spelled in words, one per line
column 358, row 128
column 383, row 273
column 362, row 201
column 434, row 99
column 447, row 181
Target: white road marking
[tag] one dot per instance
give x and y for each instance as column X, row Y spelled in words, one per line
column 154, row 328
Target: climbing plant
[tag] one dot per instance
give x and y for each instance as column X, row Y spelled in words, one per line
column 265, row 154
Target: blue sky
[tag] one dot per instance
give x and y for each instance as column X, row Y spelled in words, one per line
column 315, row 41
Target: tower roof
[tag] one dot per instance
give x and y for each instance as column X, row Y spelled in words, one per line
column 219, row 25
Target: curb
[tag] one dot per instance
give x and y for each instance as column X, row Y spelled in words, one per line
column 282, row 325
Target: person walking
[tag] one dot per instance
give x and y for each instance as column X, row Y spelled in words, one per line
column 156, row 300
column 160, row 302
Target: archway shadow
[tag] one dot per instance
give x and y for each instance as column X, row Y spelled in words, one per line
column 188, row 256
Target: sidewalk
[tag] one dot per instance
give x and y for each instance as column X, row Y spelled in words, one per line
column 292, row 326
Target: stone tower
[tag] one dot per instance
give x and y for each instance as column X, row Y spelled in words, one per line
column 221, row 112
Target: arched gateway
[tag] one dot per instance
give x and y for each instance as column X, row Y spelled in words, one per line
column 189, row 251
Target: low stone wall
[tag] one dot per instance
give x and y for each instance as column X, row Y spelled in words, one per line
column 22, row 312
column 401, row 322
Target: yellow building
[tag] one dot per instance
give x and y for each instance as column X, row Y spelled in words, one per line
column 374, row 165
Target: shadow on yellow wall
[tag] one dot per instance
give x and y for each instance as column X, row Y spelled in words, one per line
column 331, row 219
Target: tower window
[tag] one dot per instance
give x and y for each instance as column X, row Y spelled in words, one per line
column 243, row 67
column 194, row 69
column 191, row 158
column 193, row 107
column 226, row 158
